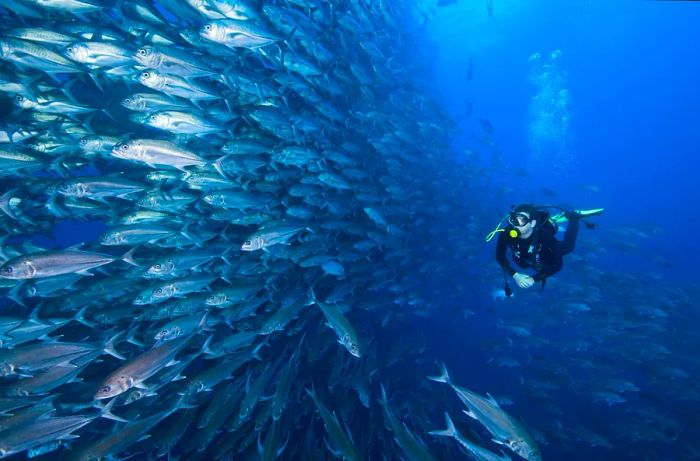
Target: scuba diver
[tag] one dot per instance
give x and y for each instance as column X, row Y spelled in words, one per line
column 531, row 236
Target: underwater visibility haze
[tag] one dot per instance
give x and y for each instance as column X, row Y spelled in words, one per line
column 240, row 229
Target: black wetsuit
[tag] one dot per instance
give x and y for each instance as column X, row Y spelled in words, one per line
column 541, row 251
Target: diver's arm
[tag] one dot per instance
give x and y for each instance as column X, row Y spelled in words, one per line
column 501, row 247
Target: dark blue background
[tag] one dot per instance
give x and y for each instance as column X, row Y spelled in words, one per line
column 632, row 70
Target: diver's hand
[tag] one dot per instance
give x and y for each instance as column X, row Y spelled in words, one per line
column 523, row 280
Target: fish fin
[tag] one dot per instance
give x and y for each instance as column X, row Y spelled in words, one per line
column 336, row 453
column 14, row 294
column 131, row 338
column 444, row 377
column 449, row 430
column 384, row 400
column 207, row 342
column 260, row 447
column 348, row 431
column 106, row 411
column 255, row 353
column 471, row 414
column 34, row 317
column 206, row 349
column 497, row 441
column 492, row 400
column 202, row 325
column 128, row 257
column 217, row 165
column 109, row 347
column 80, row 317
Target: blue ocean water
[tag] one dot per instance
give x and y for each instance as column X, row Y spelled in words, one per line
column 603, row 116
column 629, row 72
column 580, row 105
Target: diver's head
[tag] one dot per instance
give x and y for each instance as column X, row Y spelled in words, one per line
column 522, row 220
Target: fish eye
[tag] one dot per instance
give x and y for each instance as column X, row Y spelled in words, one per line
column 157, row 267
column 7, row 270
column 70, row 49
column 83, row 142
column 106, row 389
column 146, row 74
column 207, row 27
column 158, row 291
column 142, row 52
column 125, row 147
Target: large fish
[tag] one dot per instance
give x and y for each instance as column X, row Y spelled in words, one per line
column 477, row 452
column 413, row 447
column 339, row 439
column 39, row 432
column 141, row 368
column 156, row 153
column 339, row 323
column 52, row 263
column 32, row 357
column 272, row 235
column 29, row 54
column 505, row 429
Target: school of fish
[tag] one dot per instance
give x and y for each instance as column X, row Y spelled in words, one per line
column 263, row 204
column 244, row 164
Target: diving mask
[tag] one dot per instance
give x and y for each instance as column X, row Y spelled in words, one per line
column 518, row 219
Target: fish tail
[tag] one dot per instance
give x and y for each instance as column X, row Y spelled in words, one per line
column 128, row 257
column 443, row 378
column 80, row 317
column 449, row 431
column 206, row 349
column 109, row 348
column 105, row 411
column 256, row 352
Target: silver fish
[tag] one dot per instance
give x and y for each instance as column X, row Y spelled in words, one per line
column 35, row 56
column 140, row 369
column 487, row 411
column 238, row 34
column 51, row 263
column 98, row 54
column 156, row 153
column 479, row 453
